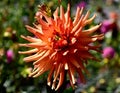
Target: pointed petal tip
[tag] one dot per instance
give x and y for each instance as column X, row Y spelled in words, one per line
column 95, row 14
column 57, row 88
column 21, row 36
column 26, row 26
column 53, row 86
column 25, row 59
column 82, row 8
column 94, row 39
column 33, row 63
column 68, row 6
column 49, row 83
column 20, row 44
column 30, row 75
column 20, row 52
column 99, row 24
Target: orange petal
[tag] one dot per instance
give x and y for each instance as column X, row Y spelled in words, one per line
column 91, row 30
column 31, row 39
column 33, row 45
column 62, row 16
column 50, row 76
column 46, row 54
column 62, row 74
column 82, row 78
column 29, row 51
column 86, row 16
column 34, row 57
column 77, row 26
column 90, row 20
column 77, row 16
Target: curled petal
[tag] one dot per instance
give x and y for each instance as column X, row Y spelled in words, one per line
column 34, row 30
column 46, row 54
column 67, row 15
column 34, row 45
column 56, row 14
column 34, row 57
column 86, row 16
column 99, row 37
column 62, row 15
column 50, row 75
column 71, row 76
column 57, row 72
column 62, row 75
column 39, row 27
column 29, row 51
column 88, row 21
column 31, row 39
column 91, row 30
column 77, row 25
column 78, row 15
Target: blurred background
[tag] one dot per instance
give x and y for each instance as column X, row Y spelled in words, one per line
column 15, row 14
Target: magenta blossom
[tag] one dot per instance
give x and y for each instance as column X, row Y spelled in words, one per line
column 9, row 55
column 82, row 4
column 108, row 52
column 106, row 25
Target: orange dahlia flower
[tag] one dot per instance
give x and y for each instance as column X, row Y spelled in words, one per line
column 60, row 45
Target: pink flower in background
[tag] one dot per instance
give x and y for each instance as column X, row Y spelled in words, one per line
column 106, row 26
column 9, row 55
column 82, row 4
column 108, row 52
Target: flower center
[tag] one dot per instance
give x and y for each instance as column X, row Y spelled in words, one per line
column 59, row 41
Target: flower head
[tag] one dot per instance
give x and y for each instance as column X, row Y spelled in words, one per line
column 106, row 26
column 108, row 52
column 10, row 55
column 61, row 44
column 82, row 4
